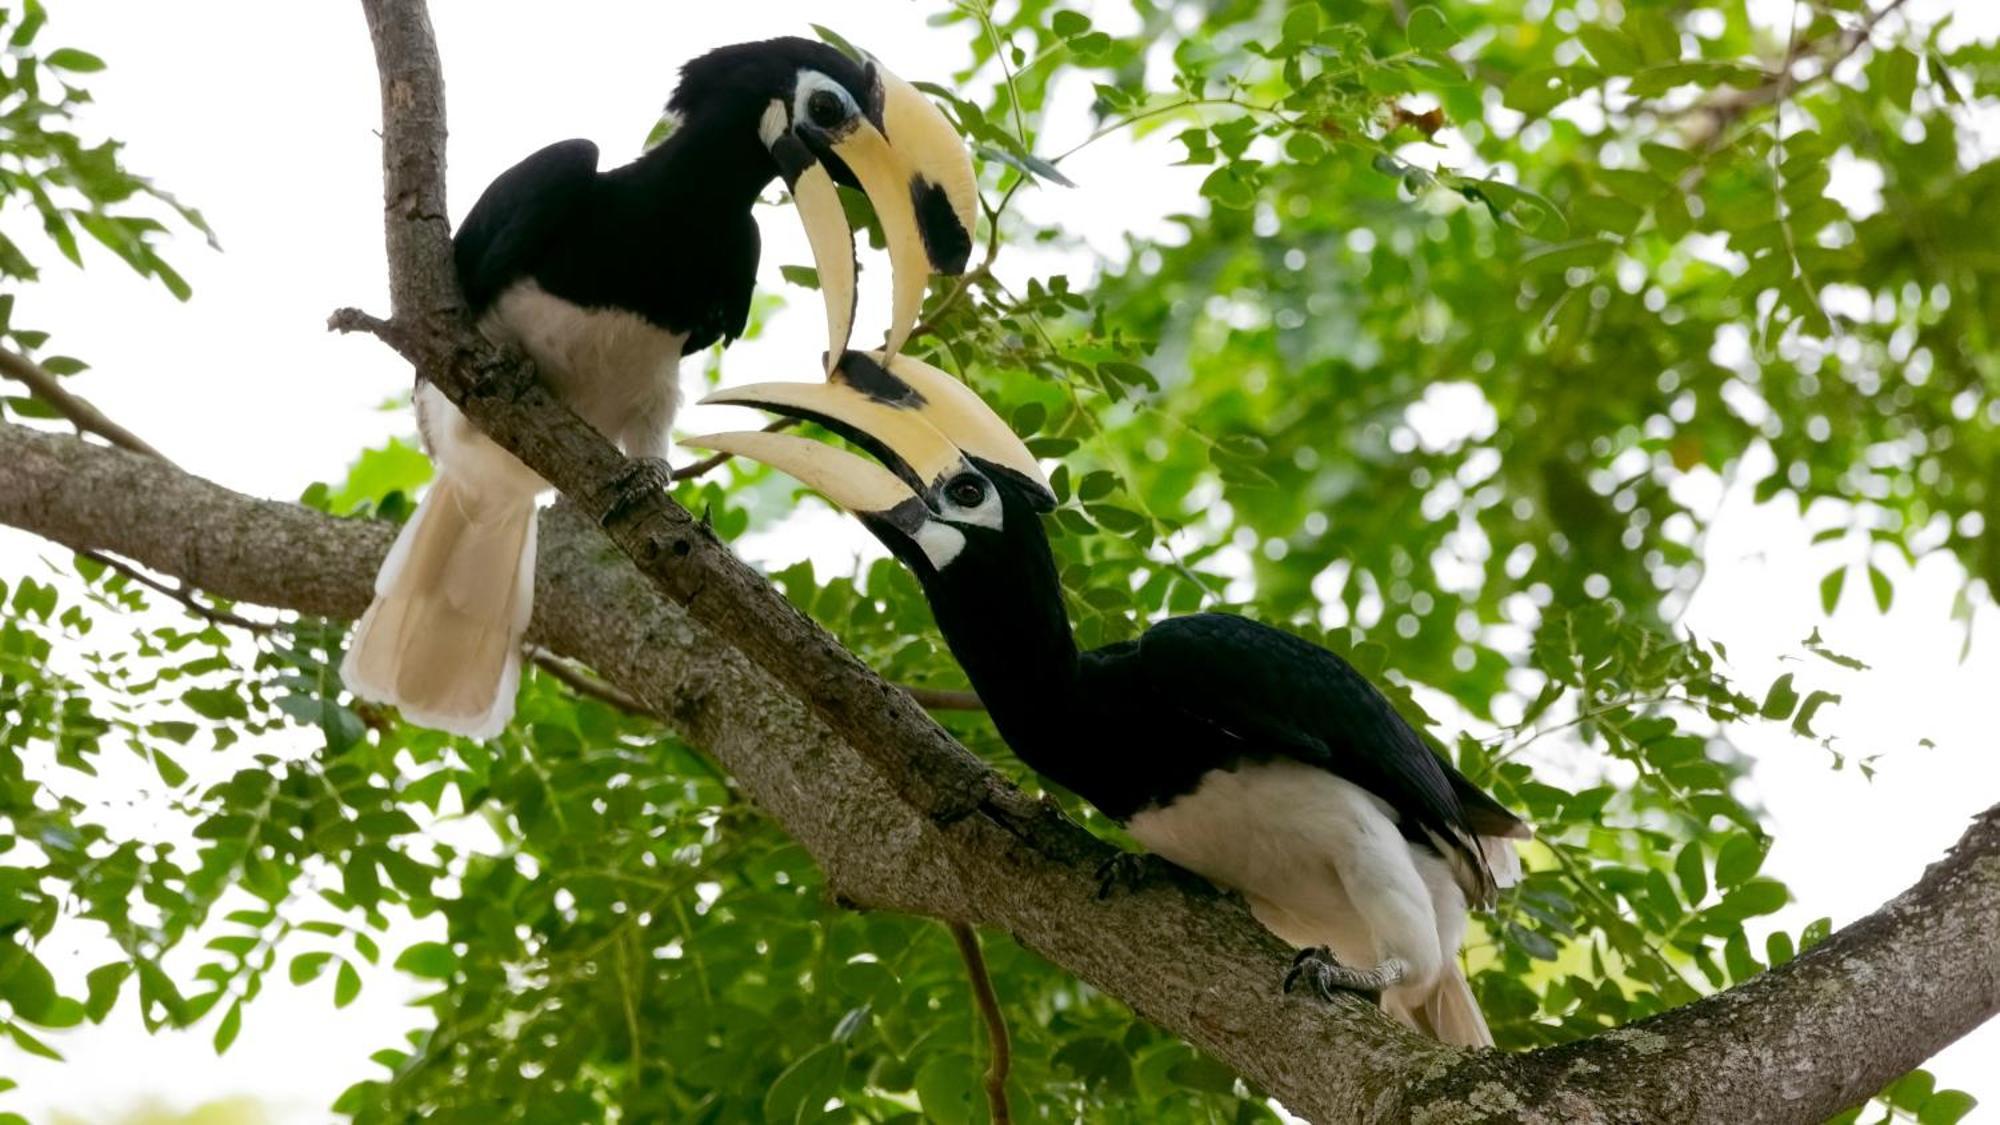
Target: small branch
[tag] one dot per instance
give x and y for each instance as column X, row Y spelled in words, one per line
column 180, row 594
column 939, row 699
column 75, row 408
column 584, row 684
column 1002, row 1051
column 354, row 320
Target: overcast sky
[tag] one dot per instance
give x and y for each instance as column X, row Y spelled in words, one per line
column 264, row 115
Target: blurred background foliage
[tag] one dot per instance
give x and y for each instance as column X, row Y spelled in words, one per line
column 1485, row 298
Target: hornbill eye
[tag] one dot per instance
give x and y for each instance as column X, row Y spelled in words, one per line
column 967, row 491
column 825, row 109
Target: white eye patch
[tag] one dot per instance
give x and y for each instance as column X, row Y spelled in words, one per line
column 987, row 513
column 811, row 82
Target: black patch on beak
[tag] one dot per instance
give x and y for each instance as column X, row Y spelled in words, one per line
column 871, row 102
column 946, row 242
column 793, row 158
column 872, row 379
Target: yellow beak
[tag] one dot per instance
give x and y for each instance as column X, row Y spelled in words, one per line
column 916, row 171
column 919, row 421
column 858, row 485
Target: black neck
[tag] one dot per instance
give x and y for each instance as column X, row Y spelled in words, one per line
column 711, row 167
column 1000, row 607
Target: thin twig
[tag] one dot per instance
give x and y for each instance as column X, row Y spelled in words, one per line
column 996, row 1021
column 179, row 594
column 938, row 699
column 582, row 683
column 75, row 408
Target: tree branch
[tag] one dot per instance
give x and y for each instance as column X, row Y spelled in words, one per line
column 1000, row 1049
column 75, row 408
column 1796, row 1044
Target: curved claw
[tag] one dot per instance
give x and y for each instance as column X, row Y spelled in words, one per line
column 1319, row 969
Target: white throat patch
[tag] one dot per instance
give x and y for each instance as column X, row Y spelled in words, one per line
column 940, row 542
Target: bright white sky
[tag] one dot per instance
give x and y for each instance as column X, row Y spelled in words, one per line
column 263, row 115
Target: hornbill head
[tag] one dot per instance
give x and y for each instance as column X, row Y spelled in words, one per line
column 951, row 471
column 826, row 119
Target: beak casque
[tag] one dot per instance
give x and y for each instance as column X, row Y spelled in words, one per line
column 924, row 425
column 917, row 172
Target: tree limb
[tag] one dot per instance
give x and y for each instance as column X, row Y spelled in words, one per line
column 77, row 409
column 1793, row 1045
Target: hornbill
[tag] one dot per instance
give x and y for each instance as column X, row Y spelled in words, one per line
column 1256, row 759
column 606, row 279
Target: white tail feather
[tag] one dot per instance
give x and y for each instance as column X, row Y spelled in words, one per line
column 443, row 640
column 1448, row 1014
column 1503, row 859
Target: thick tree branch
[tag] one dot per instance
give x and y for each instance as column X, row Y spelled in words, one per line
column 1795, row 1044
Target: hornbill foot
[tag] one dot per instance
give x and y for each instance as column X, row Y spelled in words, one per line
column 1122, row 874
column 640, row 478
column 1320, row 971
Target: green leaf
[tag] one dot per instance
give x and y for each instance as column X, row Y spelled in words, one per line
column 73, row 60
column 1430, row 33
column 1302, row 24
column 1614, row 50
column 806, row 1085
column 1830, row 587
column 1878, row 582
column 1228, row 188
column 1692, row 872
column 25, row 983
column 29, row 1043
column 1739, row 859
column 833, row 39
column 1754, row 898
column 346, row 985
column 307, row 967
column 1780, row 699
column 428, row 959
column 804, row 276
column 1946, row 1107
column 1898, row 68
column 1802, row 722
column 232, row 1023
column 102, row 985
column 1653, row 31
column 1069, row 25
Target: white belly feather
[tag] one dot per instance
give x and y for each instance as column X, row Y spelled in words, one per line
column 1320, row 860
column 616, row 370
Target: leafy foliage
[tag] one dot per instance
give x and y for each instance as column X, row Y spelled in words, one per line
column 68, row 186
column 1601, row 232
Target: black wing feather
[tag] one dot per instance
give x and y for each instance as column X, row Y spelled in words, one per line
column 1272, row 694
column 511, row 226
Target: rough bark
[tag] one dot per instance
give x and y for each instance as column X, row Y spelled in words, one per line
column 901, row 817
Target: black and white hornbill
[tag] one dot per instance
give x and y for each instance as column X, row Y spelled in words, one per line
column 606, row 279
column 1256, row 759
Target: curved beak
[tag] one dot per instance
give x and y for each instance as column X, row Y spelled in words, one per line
column 924, row 425
column 858, row 485
column 957, row 412
column 917, row 173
